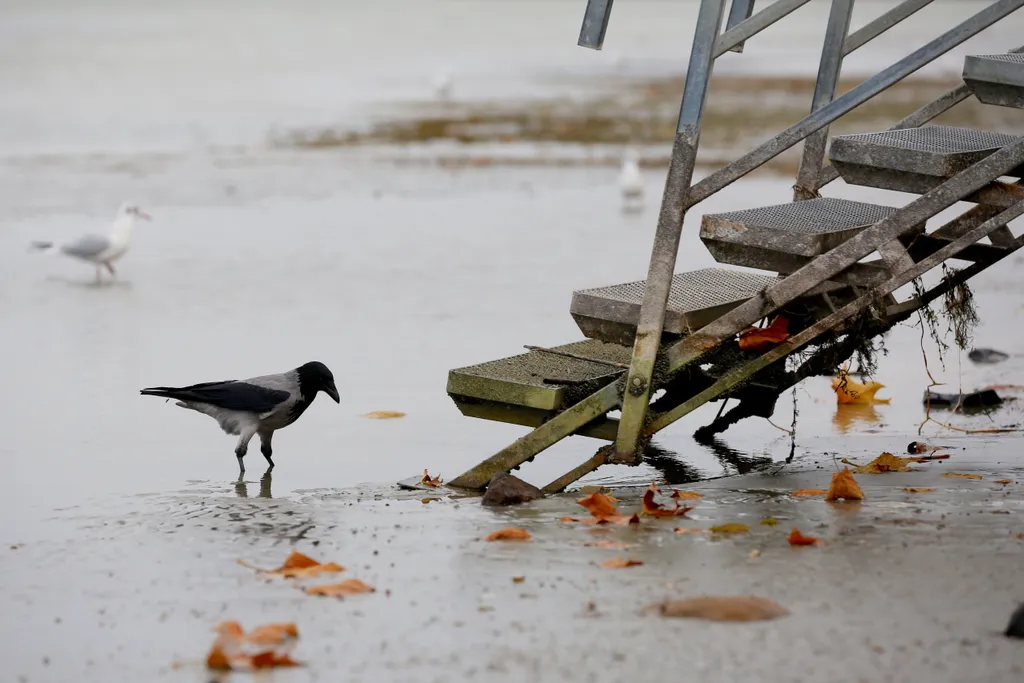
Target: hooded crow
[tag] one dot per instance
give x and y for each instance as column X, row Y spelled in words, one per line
column 258, row 405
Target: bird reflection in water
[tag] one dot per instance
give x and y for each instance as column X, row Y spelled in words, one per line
column 242, row 486
column 849, row 415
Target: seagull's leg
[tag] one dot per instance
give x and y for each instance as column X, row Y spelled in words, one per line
column 99, row 275
column 243, row 447
column 110, row 267
column 265, row 448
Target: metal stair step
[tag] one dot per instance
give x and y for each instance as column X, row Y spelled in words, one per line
column 996, row 79
column 541, row 380
column 785, row 237
column 913, row 159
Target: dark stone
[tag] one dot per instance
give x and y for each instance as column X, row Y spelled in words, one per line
column 504, row 489
column 987, row 356
column 975, row 399
column 1016, row 627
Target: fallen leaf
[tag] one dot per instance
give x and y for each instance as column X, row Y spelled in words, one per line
column 755, row 553
column 269, row 660
column 605, row 543
column 849, row 390
column 1004, row 481
column 688, row 530
column 685, row 495
column 1021, row 536
column 619, row 563
column 568, row 519
column 229, row 651
column 797, row 538
column 769, row 521
column 341, row 589
column 272, row 634
column 298, row 566
column 917, row 489
column 653, row 509
column 518, row 579
column 808, row 492
column 428, row 500
column 604, row 511
column 886, row 462
column 509, row 534
column 844, row 486
column 384, row 414
column 427, row 481
column 723, row 608
column 217, row 660
column 760, row 338
column 961, row 475
column 730, row 528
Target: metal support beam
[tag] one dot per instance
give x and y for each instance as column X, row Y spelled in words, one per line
column 739, row 11
column 875, row 28
column 577, row 473
column 751, row 27
column 595, row 23
column 670, row 226
column 829, row 67
column 804, row 336
column 854, row 98
column 845, row 255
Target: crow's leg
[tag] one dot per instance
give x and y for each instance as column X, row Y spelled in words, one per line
column 265, row 447
column 243, row 447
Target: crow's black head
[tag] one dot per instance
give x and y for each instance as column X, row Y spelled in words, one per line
column 314, row 376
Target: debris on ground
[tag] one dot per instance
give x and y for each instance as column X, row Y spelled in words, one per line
column 619, row 563
column 297, row 566
column 799, row 493
column 649, row 507
column 985, row 398
column 1015, row 629
column 987, row 356
column 342, row 589
column 921, row 447
column 887, row 462
column 849, row 390
column 722, row 608
column 603, row 509
column 961, row 475
column 797, row 538
column 763, row 338
column 730, row 528
column 427, row 480
column 844, row 487
column 384, row 415
column 686, row 495
column 507, row 489
column 917, row 489
column 264, row 647
column 509, row 534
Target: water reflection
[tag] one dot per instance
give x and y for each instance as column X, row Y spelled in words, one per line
column 728, row 456
column 849, row 415
column 676, row 471
column 242, row 486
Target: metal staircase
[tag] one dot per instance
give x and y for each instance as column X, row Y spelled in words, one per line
column 677, row 331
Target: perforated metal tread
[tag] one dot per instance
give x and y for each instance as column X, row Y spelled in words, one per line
column 996, row 79
column 812, row 217
column 538, row 379
column 912, row 159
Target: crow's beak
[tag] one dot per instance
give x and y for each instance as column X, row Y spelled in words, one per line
column 332, row 391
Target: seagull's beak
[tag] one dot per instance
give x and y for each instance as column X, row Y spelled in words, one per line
column 142, row 214
column 332, row 391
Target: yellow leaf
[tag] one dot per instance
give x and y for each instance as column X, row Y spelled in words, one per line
column 730, row 528
column 844, row 486
column 384, row 415
column 509, row 534
column 849, row 390
column 961, row 475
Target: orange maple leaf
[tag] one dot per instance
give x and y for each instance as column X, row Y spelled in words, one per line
column 844, row 486
column 649, row 507
column 341, row 589
column 426, row 480
column 272, row 634
column 509, row 534
column 849, row 390
column 619, row 563
column 229, row 652
column 760, row 338
column 298, row 566
column 797, row 538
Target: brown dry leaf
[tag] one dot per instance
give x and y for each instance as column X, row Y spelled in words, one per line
column 217, row 660
column 688, row 530
column 769, row 521
column 886, row 462
column 844, row 486
column 685, row 495
column 1004, row 481
column 426, row 480
column 271, row 660
column 619, row 563
column 797, row 538
column 961, row 475
column 228, row 651
column 341, row 589
column 605, row 543
column 518, row 579
column 649, row 507
column 568, row 519
column 509, row 534
column 384, row 415
column 849, row 390
column 604, row 511
column 1021, row 536
column 808, row 492
column 917, row 489
column 730, row 528
column 723, row 608
column 762, row 338
column 298, row 566
column 272, row 634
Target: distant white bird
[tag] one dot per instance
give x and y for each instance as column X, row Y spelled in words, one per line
column 631, row 183
column 443, row 85
column 101, row 250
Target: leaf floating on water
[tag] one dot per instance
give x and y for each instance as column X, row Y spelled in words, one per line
column 688, row 530
column 849, row 390
column 844, row 487
column 917, row 489
column 518, row 579
column 808, row 492
column 685, row 495
column 342, row 589
column 604, row 511
column 384, row 415
column 264, row 647
column 298, row 566
column 723, row 608
column 763, row 338
column 1004, row 481
column 619, row 563
column 426, row 480
column 961, row 475
column 769, row 521
column 797, row 538
column 653, row 509
column 887, row 462
column 509, row 534
column 730, row 528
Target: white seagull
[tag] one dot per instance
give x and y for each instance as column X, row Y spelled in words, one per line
column 631, row 183
column 101, row 250
column 443, row 84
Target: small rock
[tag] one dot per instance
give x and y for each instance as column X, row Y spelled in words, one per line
column 973, row 399
column 987, row 356
column 1016, row 626
column 505, row 489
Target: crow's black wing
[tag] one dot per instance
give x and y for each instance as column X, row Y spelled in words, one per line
column 229, row 395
